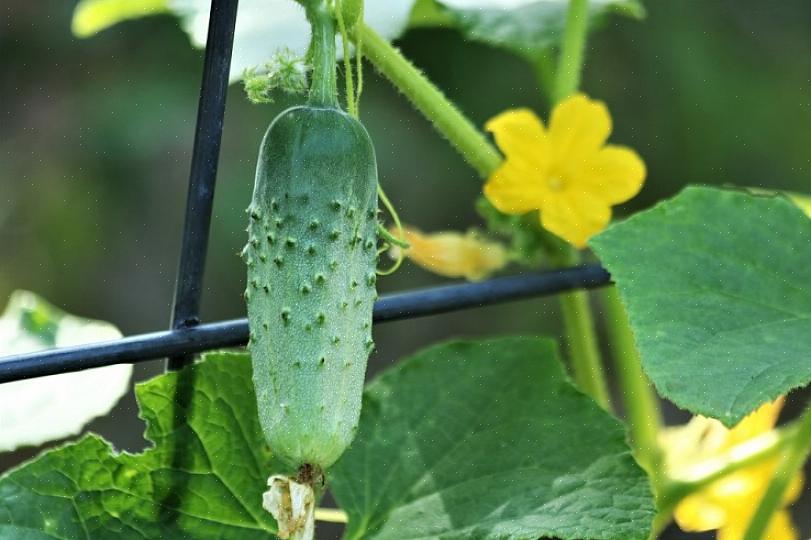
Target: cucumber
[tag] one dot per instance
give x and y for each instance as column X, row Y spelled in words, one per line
column 311, row 258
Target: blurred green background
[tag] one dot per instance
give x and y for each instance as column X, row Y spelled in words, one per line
column 96, row 136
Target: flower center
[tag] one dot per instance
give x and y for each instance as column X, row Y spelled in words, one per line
column 555, row 183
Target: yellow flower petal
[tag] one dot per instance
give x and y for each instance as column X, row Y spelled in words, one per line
column 614, row 174
column 698, row 513
column 452, row 254
column 575, row 217
column 514, row 190
column 579, row 127
column 795, row 488
column 565, row 173
column 760, row 421
column 729, row 503
column 521, row 137
column 780, row 528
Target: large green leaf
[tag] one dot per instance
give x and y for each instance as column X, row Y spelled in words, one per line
column 718, row 289
column 203, row 479
column 488, row 440
column 466, row 440
column 529, row 29
column 49, row 408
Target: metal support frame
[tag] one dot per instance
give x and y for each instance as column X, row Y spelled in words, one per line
column 203, row 174
column 233, row 333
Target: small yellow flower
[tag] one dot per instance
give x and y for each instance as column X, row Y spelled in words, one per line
column 452, row 254
column 567, row 172
column 728, row 504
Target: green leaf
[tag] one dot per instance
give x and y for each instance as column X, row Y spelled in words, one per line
column 92, row 16
column 488, row 440
column 203, row 479
column 717, row 284
column 36, row 411
column 528, row 30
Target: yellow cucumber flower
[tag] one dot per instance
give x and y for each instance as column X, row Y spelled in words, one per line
column 452, row 254
column 729, row 503
column 567, row 171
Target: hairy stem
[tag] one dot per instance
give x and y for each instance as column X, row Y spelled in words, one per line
column 429, row 100
column 323, row 85
column 581, row 338
column 642, row 408
column 570, row 65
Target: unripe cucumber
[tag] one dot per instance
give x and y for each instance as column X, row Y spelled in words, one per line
column 311, row 258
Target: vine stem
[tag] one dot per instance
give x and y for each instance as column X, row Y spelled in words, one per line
column 323, row 84
column 578, row 319
column 429, row 100
column 791, row 462
column 581, row 338
column 644, row 416
column 570, row 65
column 485, row 159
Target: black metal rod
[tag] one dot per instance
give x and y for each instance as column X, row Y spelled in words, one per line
column 203, row 174
column 195, row 339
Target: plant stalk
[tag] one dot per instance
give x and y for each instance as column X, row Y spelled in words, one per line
column 485, row 159
column 429, row 100
column 642, row 408
column 323, row 83
column 570, row 65
column 578, row 319
column 581, row 338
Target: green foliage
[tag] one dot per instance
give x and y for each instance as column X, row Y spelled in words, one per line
column 487, row 440
column 528, row 31
column 718, row 289
column 469, row 439
column 203, row 479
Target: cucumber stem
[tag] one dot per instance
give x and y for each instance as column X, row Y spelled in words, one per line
column 323, row 84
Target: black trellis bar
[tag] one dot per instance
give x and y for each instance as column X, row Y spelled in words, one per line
column 205, row 155
column 198, row 338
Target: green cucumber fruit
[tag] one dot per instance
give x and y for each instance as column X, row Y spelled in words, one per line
column 311, row 258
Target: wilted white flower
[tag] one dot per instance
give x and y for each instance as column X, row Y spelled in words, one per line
column 39, row 410
column 265, row 26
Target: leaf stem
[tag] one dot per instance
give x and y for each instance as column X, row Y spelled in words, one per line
column 570, row 64
column 642, row 408
column 429, row 100
column 581, row 338
column 578, row 318
column 789, row 466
